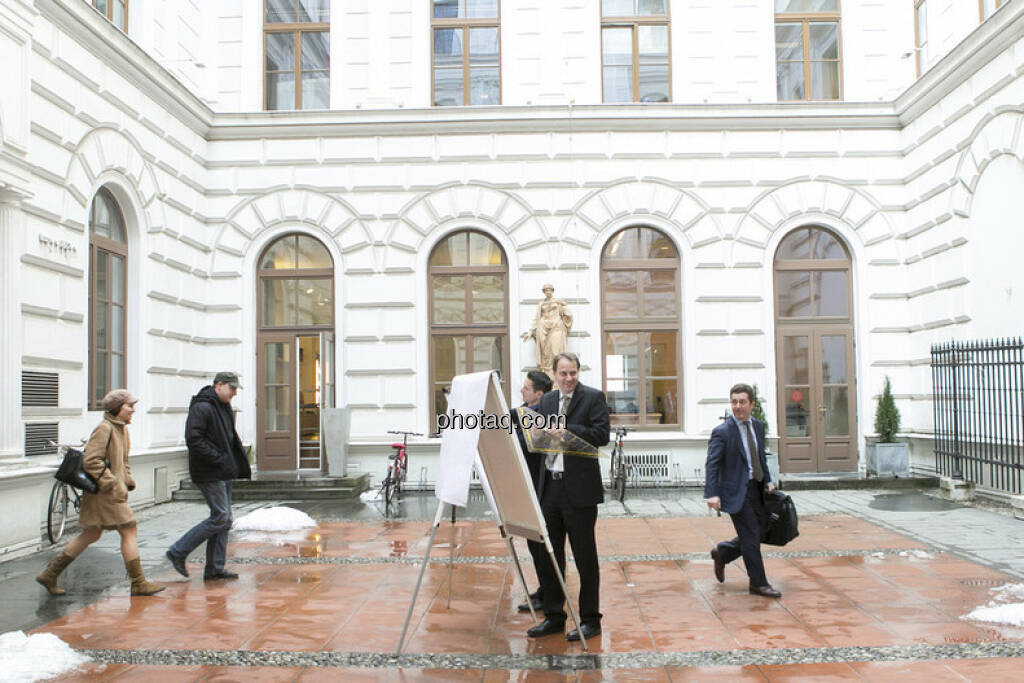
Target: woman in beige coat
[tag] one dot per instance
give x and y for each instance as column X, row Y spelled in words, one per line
column 106, row 461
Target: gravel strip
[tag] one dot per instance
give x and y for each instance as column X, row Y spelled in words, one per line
column 623, row 660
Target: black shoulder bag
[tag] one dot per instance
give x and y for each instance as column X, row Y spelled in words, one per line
column 71, row 472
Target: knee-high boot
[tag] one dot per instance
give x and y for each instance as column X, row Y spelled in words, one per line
column 48, row 577
column 140, row 586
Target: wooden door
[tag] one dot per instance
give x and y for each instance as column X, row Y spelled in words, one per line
column 277, row 402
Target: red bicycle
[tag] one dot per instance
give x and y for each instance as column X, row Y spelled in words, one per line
column 398, row 470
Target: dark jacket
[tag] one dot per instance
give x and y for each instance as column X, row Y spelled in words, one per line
column 534, row 461
column 214, row 449
column 726, row 467
column 587, row 418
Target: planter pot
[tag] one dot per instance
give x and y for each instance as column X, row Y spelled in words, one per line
column 335, row 424
column 889, row 458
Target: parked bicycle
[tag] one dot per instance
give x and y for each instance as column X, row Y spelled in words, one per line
column 63, row 497
column 619, row 470
column 398, row 470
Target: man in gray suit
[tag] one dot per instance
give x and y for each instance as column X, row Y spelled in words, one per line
column 736, row 477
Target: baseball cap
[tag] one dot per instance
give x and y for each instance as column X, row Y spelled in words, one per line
column 227, row 378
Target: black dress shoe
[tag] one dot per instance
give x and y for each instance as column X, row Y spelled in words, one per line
column 719, row 565
column 220, row 575
column 178, row 563
column 765, row 591
column 546, row 628
column 589, row 631
column 537, row 603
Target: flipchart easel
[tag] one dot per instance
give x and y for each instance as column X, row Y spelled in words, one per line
column 504, row 477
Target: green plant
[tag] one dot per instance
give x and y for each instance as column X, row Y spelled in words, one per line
column 887, row 415
column 757, row 412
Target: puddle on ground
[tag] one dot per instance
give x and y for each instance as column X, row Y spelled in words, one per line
column 911, row 502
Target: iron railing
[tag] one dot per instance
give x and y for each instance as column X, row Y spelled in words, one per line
column 978, row 389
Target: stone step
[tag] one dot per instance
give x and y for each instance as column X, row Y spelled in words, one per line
column 826, row 481
column 307, row 488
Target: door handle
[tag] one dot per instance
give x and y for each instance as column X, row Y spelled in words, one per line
column 822, row 410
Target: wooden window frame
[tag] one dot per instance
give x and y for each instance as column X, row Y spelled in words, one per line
column 806, row 19
column 99, row 246
column 918, row 46
column 263, row 274
column 296, row 29
column 465, row 25
column 635, row 22
column 468, row 329
column 981, row 9
column 109, row 14
column 812, row 266
column 641, row 325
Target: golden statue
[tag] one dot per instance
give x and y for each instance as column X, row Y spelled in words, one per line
column 550, row 329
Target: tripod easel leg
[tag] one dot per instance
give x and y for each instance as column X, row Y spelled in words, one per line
column 565, row 591
column 522, row 579
column 419, row 579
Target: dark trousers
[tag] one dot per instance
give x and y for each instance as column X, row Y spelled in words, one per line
column 747, row 543
column 214, row 529
column 540, row 557
column 577, row 523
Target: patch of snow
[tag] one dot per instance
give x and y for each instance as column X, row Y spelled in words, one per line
column 36, row 657
column 1009, row 592
column 274, row 519
column 368, row 496
column 278, row 538
column 880, row 555
column 919, row 554
column 1011, row 614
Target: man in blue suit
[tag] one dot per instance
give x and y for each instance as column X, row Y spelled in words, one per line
column 737, row 477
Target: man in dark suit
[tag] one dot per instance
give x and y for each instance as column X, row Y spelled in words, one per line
column 535, row 385
column 570, row 492
column 737, row 475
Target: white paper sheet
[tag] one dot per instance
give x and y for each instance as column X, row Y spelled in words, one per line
column 459, row 446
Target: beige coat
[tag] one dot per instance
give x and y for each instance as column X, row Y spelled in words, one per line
column 108, row 508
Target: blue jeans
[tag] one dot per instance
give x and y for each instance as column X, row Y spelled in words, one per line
column 214, row 529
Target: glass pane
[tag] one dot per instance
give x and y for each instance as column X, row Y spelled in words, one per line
column 449, row 358
column 618, row 84
column 488, row 299
column 116, row 279
column 660, row 354
column 316, row 90
column 116, row 224
column 483, row 86
column 447, row 47
column 789, row 5
column 483, row 46
column 117, row 371
column 922, row 23
column 822, row 5
column 480, row 9
column 318, row 11
column 118, row 20
column 281, row 90
column 117, row 329
column 646, row 8
column 653, row 83
column 280, row 51
column 617, row 46
column 652, row 44
column 316, row 50
column 789, row 42
column 487, row 354
column 798, row 412
column 824, row 40
column 658, row 293
column 624, row 245
column 280, row 255
column 100, row 322
column 655, row 244
column 277, row 413
column 446, row 9
column 837, row 411
column 450, row 252
column 790, row 81
column 617, row 8
column 280, row 12
column 100, row 216
column 624, row 401
column 315, row 302
column 449, row 298
column 99, row 375
column 483, row 251
column 987, row 8
column 619, row 291
column 825, row 246
column 102, row 275
column 277, row 358
column 661, row 401
column 279, row 303
column 830, row 293
column 448, row 87
column 833, row 359
column 796, row 245
column 622, row 356
column 794, row 293
column 795, row 361
column 313, row 254
column 825, row 80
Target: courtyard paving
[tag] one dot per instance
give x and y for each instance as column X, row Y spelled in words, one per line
column 875, row 588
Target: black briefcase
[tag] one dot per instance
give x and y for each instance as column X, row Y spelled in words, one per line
column 71, row 472
column 781, row 524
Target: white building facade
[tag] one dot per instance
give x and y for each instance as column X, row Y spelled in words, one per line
column 799, row 194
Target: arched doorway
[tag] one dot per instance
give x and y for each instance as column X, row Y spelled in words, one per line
column 817, row 420
column 295, row 352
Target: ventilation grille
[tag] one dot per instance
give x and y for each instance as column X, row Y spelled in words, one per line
column 36, row 436
column 39, row 388
column 648, row 467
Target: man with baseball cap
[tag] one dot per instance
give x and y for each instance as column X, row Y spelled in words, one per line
column 215, row 459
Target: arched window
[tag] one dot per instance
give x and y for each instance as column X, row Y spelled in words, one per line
column 296, row 284
column 468, row 283
column 108, row 256
column 640, row 320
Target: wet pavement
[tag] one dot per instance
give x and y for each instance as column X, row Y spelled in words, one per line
column 874, row 588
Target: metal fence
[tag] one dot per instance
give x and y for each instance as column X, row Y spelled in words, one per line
column 978, row 389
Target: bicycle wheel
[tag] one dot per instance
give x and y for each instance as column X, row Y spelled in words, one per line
column 57, row 511
column 388, row 490
column 620, row 481
column 613, row 468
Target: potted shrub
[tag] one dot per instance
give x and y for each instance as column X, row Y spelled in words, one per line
column 887, row 456
column 757, row 412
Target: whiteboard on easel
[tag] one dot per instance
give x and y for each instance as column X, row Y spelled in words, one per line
column 494, row 449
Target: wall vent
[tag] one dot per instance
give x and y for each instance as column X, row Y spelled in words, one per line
column 36, row 436
column 39, row 388
column 648, row 467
